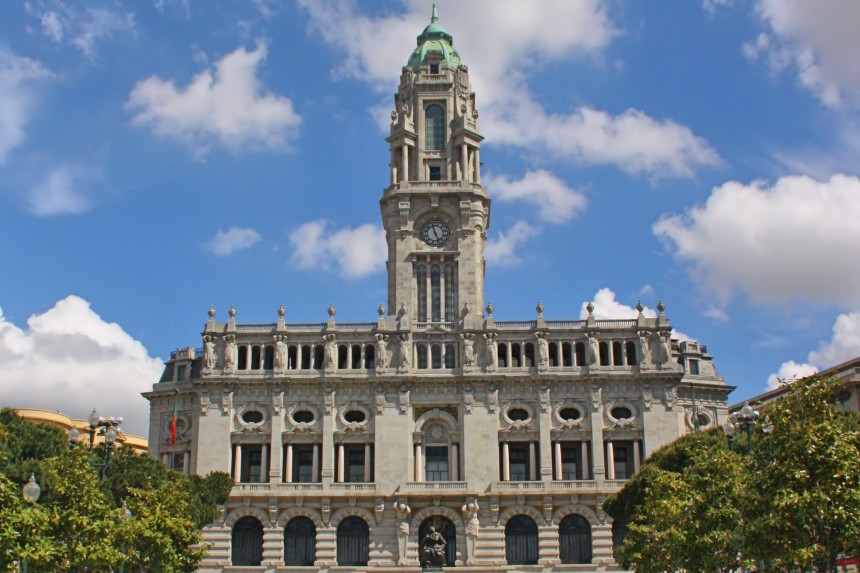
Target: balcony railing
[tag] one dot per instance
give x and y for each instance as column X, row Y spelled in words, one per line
column 435, row 486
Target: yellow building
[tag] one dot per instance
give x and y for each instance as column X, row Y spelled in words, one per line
column 61, row 420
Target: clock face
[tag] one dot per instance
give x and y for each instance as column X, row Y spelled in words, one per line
column 435, row 233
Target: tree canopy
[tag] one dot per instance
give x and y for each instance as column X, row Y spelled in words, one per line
column 80, row 523
column 793, row 504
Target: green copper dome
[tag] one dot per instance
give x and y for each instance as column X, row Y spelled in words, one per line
column 434, row 38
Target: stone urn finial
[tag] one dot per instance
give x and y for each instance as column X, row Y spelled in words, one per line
column 539, row 308
column 640, row 307
column 232, row 312
column 590, row 308
column 490, row 309
column 381, row 311
column 331, row 309
column 212, row 311
column 282, row 311
column 660, row 307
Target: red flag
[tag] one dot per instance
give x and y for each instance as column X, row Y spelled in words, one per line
column 173, row 425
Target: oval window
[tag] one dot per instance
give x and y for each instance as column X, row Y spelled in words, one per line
column 703, row 419
column 518, row 414
column 621, row 413
column 569, row 414
column 354, row 416
column 303, row 416
column 252, row 417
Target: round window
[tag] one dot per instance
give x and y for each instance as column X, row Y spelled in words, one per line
column 703, row 419
column 569, row 414
column 252, row 417
column 303, row 416
column 518, row 414
column 621, row 413
column 354, row 416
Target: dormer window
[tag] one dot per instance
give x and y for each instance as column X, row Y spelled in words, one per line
column 434, row 68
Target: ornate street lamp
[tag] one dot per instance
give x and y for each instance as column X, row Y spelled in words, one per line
column 108, row 429
column 31, row 492
column 744, row 419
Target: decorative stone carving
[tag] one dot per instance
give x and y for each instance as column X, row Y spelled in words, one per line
column 670, row 396
column 382, row 354
column 229, row 353
column 380, row 400
column 379, row 509
column 468, row 399
column 204, row 403
column 468, row 349
column 325, row 510
column 405, row 353
column 403, row 400
column 494, row 510
column 543, row 350
column 647, row 395
column 543, row 396
column 473, row 525
column 593, row 357
column 401, row 513
column 328, row 402
column 665, row 348
column 493, row 399
column 210, row 358
column 596, row 398
column 226, row 402
column 644, row 350
column 278, row 402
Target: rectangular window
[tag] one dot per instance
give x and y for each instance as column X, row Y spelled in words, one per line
column 252, row 463
column 177, row 462
column 623, row 459
column 434, row 68
column 354, row 457
column 303, row 464
column 435, row 173
column 519, row 456
column 569, row 460
column 449, row 294
column 436, row 463
column 181, row 373
column 421, row 283
column 694, row 366
column 435, row 293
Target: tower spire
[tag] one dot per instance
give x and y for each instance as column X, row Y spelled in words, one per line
column 434, row 17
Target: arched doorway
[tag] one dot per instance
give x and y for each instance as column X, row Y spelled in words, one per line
column 247, row 542
column 521, row 541
column 444, row 526
column 353, row 542
column 300, row 542
column 574, row 538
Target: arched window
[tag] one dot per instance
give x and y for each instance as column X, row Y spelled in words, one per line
column 617, row 358
column 434, row 128
column 450, row 304
column 630, row 349
column 530, row 355
column 353, row 542
column 580, row 353
column 421, row 351
column 553, row 353
column 435, row 293
column 444, row 526
column 319, row 353
column 574, row 538
column 300, row 542
column 342, row 354
column 521, row 541
column 255, row 358
column 604, row 354
column 269, row 360
column 242, row 361
column 421, row 279
column 292, row 357
column 503, row 355
column 516, row 355
column 450, row 356
column 566, row 354
column 306, row 357
column 369, row 356
column 356, row 357
column 436, row 356
column 247, row 542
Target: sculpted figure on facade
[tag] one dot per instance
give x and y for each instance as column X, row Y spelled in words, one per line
column 229, row 353
column 330, row 363
column 382, row 351
column 593, row 350
column 665, row 348
column 543, row 351
column 433, row 549
column 473, row 524
column 644, row 350
column 490, row 354
column 401, row 512
column 210, row 359
column 280, row 352
column 405, row 352
column 468, row 349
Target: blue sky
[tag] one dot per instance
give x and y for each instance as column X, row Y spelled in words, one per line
column 159, row 157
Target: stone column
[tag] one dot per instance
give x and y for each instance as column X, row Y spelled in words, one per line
column 583, row 451
column 597, row 467
column 477, row 176
column 454, row 463
column 419, row 463
column 328, row 448
column 464, row 161
column 264, row 464
column 289, row 468
column 367, row 463
column 186, row 463
column 558, row 467
column 610, row 461
column 548, row 545
column 273, row 546
column 277, row 446
column 532, row 462
column 545, row 444
column 340, row 460
column 635, row 456
column 315, row 464
column 506, row 462
column 404, row 163
column 237, row 464
column 601, row 543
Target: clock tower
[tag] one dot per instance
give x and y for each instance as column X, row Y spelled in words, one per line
column 435, row 211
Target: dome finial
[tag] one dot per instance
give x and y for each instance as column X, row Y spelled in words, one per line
column 434, row 17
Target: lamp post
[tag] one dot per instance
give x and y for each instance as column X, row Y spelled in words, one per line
column 31, row 492
column 108, row 428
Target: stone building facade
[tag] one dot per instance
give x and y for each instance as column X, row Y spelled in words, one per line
column 349, row 441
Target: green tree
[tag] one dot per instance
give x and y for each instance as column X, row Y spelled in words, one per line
column 804, row 499
column 22, row 527
column 25, row 445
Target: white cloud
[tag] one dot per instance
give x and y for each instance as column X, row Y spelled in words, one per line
column 520, row 34
column 608, row 308
column 794, row 240
column 226, row 104
column 353, row 253
column 556, row 201
column 18, row 76
column 82, row 27
column 69, row 359
column 502, row 250
column 818, row 40
column 63, row 191
column 225, row 243
column 790, row 370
